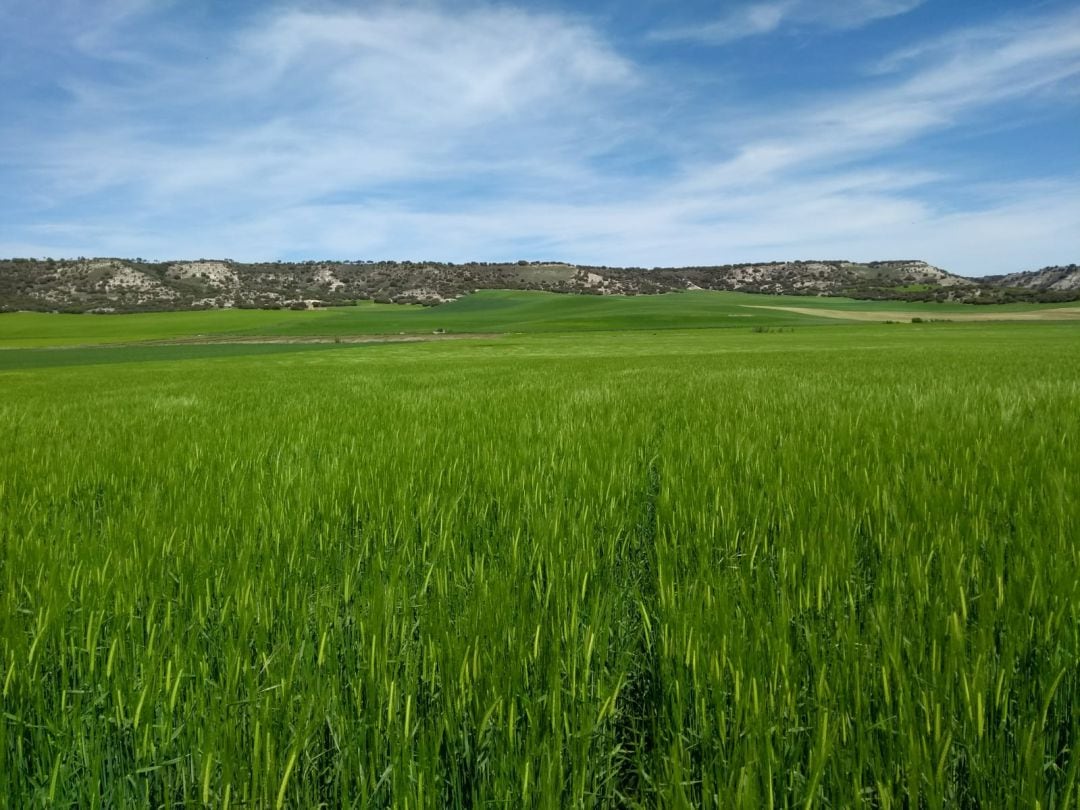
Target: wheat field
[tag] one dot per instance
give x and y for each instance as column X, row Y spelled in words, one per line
column 714, row 568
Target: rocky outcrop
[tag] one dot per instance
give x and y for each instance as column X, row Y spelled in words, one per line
column 1060, row 278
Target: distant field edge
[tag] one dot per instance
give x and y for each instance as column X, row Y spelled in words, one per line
column 883, row 316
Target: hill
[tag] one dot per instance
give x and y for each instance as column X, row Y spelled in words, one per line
column 120, row 285
column 1064, row 279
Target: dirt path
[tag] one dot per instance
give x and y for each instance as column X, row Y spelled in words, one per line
column 1055, row 314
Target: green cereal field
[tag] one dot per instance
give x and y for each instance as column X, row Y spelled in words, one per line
column 633, row 553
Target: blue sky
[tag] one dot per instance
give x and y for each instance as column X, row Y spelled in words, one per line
column 647, row 133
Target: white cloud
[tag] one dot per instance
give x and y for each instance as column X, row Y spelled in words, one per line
column 945, row 88
column 758, row 18
column 860, row 216
column 847, row 14
column 305, row 104
column 738, row 23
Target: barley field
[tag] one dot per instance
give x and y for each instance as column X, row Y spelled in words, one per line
column 828, row 566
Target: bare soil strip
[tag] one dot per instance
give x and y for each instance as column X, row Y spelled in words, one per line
column 232, row 340
column 289, row 339
column 880, row 316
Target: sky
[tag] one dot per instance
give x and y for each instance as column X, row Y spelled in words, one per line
column 643, row 133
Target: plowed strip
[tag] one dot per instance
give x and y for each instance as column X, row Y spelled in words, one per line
column 1055, row 314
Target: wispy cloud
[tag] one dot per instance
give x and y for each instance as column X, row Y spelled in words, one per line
column 942, row 91
column 746, row 21
column 758, row 18
column 323, row 101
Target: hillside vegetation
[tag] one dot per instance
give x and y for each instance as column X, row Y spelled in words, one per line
column 119, row 285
